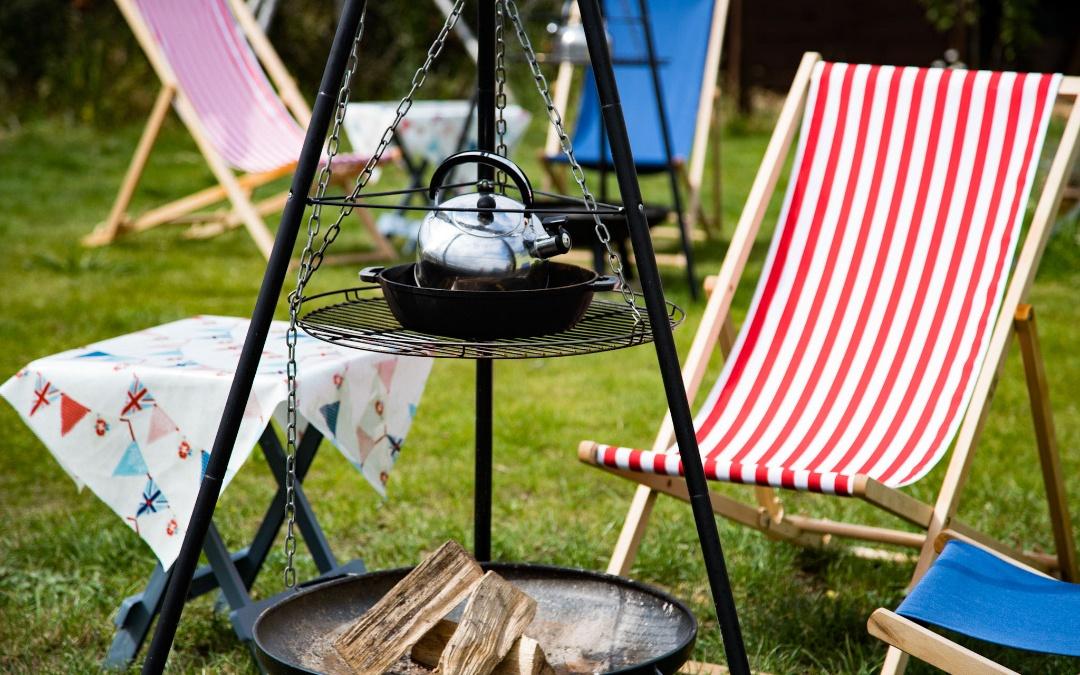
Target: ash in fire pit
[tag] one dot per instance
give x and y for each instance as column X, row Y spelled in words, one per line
column 585, row 622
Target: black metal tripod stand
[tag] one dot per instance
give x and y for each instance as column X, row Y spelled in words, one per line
column 278, row 265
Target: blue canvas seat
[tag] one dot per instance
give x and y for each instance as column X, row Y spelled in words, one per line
column 681, row 31
column 976, row 593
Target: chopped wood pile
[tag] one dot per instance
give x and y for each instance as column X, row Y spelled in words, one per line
column 410, row 621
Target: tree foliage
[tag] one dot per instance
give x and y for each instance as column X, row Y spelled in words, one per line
column 1015, row 19
column 79, row 59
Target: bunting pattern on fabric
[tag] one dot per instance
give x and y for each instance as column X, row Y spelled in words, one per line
column 123, row 419
column 44, row 394
column 152, row 499
column 330, row 414
column 132, row 463
column 160, row 425
column 71, row 413
column 138, row 398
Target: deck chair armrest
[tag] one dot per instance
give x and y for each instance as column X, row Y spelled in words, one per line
column 586, row 452
column 926, row 645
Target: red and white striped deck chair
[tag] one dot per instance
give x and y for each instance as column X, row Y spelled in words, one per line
column 210, row 57
column 894, row 280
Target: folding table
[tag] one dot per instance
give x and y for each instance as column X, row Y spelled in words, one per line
column 133, row 419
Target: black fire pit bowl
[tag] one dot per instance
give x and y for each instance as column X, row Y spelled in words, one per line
column 586, row 622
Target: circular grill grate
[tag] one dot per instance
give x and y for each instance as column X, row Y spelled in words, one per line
column 359, row 319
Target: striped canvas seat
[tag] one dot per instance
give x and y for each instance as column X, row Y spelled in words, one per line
column 873, row 313
column 242, row 114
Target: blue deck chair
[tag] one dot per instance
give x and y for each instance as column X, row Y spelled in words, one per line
column 687, row 37
column 681, row 31
column 976, row 592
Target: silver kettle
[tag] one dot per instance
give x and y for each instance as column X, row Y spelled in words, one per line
column 483, row 240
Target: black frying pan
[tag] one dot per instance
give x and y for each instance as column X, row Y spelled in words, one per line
column 562, row 295
column 586, row 622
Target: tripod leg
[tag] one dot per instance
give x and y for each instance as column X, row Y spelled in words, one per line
column 255, row 341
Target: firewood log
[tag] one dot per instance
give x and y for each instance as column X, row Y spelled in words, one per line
column 495, row 616
column 379, row 637
column 526, row 657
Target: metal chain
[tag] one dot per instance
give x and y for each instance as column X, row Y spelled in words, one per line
column 303, row 274
column 311, row 259
column 614, row 261
column 419, row 77
column 500, row 88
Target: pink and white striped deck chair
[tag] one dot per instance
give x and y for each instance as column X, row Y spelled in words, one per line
column 894, row 280
column 209, row 56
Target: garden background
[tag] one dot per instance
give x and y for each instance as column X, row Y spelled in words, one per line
column 73, row 90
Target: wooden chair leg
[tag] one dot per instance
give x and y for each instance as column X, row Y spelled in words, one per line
column 895, row 662
column 695, row 211
column 956, row 476
column 243, row 208
column 180, row 210
column 557, row 180
column 637, row 518
column 1046, row 438
column 213, row 224
column 107, row 231
column 767, row 499
column 717, row 225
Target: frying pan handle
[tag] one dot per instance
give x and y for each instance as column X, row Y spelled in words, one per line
column 608, row 283
column 488, row 159
column 370, row 275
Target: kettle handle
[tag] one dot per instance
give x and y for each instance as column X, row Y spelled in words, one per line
column 488, row 159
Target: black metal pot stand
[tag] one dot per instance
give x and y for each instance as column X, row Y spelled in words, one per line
column 657, row 328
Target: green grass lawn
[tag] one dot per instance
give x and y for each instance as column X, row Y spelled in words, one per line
column 66, row 561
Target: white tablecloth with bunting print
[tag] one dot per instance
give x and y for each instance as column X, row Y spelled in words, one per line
column 134, row 417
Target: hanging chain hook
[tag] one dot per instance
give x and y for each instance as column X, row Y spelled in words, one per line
column 295, row 298
column 419, row 77
column 500, row 89
column 602, row 233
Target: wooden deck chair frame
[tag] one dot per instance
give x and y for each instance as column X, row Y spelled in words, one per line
column 691, row 176
column 767, row 513
column 907, row 638
column 237, row 190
